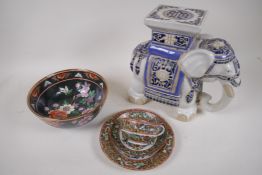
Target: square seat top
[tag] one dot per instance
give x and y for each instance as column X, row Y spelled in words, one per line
column 176, row 18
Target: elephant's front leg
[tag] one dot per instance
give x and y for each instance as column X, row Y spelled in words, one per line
column 187, row 108
column 136, row 92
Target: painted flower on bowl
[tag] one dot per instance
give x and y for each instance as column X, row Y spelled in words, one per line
column 64, row 90
column 57, row 114
column 75, row 101
column 68, row 108
column 83, row 89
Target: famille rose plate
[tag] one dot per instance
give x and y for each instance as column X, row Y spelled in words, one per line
column 115, row 150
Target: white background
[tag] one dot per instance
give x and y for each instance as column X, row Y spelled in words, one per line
column 41, row 37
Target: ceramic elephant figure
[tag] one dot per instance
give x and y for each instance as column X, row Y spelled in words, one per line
column 211, row 59
column 172, row 67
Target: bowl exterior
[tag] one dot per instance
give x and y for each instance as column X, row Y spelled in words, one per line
column 76, row 122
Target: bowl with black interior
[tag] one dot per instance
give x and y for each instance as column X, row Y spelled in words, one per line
column 68, row 98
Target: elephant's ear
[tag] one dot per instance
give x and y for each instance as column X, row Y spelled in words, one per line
column 196, row 62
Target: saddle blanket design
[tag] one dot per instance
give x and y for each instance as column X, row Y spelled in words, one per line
column 163, row 78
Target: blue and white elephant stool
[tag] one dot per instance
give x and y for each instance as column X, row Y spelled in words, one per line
column 172, row 66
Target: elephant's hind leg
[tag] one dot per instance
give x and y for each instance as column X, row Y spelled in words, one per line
column 186, row 110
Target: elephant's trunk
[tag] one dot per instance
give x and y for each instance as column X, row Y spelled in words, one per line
column 228, row 94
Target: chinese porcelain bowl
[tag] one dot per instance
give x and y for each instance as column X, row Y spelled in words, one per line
column 68, row 98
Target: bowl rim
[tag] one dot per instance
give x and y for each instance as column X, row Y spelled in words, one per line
column 42, row 117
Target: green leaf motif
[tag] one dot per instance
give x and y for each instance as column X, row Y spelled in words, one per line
column 69, row 92
column 105, row 135
column 74, row 113
column 82, row 101
column 91, row 93
column 65, row 102
column 90, row 106
column 139, row 164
